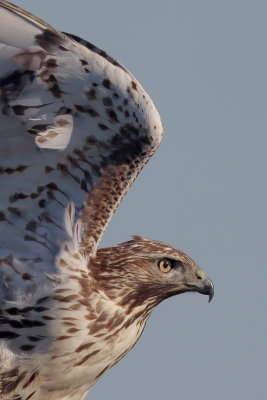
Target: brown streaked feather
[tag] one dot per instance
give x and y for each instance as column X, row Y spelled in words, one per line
column 76, row 129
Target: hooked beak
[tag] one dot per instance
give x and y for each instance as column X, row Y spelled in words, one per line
column 204, row 286
column 207, row 288
column 199, row 282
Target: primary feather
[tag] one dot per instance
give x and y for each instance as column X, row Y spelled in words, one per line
column 76, row 128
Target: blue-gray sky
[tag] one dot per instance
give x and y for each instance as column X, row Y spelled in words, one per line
column 204, row 191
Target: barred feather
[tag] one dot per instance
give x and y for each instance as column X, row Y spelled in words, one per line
column 76, row 128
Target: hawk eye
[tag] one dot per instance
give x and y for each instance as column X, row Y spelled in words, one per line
column 165, row 265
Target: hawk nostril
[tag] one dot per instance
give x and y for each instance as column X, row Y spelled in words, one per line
column 200, row 274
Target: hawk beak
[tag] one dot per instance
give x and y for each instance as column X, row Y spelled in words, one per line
column 204, row 286
column 208, row 288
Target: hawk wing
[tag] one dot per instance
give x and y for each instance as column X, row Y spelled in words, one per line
column 76, row 128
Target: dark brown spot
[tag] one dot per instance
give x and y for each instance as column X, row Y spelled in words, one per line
column 66, row 110
column 31, row 226
column 17, row 196
column 10, row 374
column 73, row 330
column 62, row 122
column 87, row 110
column 107, row 101
column 49, row 39
column 8, row 335
column 62, row 290
column 63, row 48
column 33, row 338
column 91, row 94
column 41, row 309
column 42, row 299
column 51, row 63
column 84, row 185
column 106, row 83
column 13, row 311
column 134, row 86
column 42, row 203
column 31, row 132
column 56, row 91
column 92, row 112
column 48, row 169
column 40, row 189
column 2, row 216
column 27, row 347
column 26, row 277
column 53, row 186
column 34, row 195
column 103, row 127
column 52, row 79
column 65, row 299
column 21, row 168
column 19, row 110
column 84, row 346
column 30, row 396
column 64, row 170
column 112, row 115
column 63, row 337
column 29, row 323
column 30, row 380
column 9, row 170
column 84, row 359
column 135, row 117
column 102, row 317
column 83, row 62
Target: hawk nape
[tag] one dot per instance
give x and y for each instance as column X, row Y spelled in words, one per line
column 76, row 128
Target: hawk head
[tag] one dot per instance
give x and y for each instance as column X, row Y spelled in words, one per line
column 140, row 273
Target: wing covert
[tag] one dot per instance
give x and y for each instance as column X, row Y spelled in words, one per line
column 75, row 128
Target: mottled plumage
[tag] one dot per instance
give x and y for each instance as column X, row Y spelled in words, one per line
column 76, row 128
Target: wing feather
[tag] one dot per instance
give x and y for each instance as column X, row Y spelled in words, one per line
column 76, row 128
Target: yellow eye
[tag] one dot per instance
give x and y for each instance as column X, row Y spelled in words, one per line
column 165, row 265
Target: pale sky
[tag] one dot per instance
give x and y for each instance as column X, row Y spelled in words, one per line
column 204, row 191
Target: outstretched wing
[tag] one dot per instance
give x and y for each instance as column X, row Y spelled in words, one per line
column 76, row 128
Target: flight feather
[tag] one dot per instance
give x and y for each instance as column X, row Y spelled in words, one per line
column 76, row 127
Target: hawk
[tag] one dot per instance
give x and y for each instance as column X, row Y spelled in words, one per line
column 76, row 128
